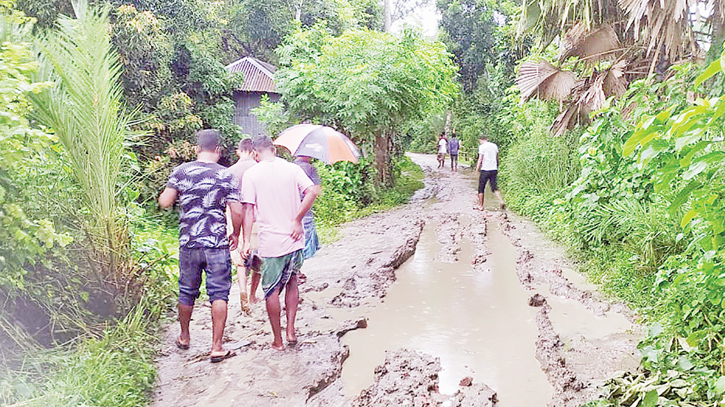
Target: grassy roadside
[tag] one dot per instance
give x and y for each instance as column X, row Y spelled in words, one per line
column 409, row 179
column 112, row 365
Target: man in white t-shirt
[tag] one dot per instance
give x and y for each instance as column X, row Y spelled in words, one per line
column 271, row 192
column 442, row 150
column 488, row 166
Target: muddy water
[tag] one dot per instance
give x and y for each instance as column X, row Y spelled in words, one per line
column 477, row 322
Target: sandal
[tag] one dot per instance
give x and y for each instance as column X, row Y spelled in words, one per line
column 182, row 346
column 219, row 358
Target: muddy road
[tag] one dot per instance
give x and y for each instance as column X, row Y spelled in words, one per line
column 432, row 304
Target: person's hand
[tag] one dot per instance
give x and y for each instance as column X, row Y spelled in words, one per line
column 297, row 231
column 246, row 250
column 233, row 241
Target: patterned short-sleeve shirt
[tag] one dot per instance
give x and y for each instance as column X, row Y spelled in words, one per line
column 204, row 190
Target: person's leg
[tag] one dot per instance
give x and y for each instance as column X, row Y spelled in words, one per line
column 218, row 285
column 291, row 302
column 253, row 288
column 184, row 320
column 218, row 321
column 274, row 311
column 494, row 188
column 481, row 188
column 243, row 294
column 189, row 283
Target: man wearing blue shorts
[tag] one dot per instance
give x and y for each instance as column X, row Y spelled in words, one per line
column 204, row 189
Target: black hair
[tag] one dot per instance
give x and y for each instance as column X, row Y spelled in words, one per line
column 208, row 139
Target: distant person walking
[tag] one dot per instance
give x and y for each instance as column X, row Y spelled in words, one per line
column 453, row 146
column 246, row 296
column 312, row 241
column 442, row 150
column 488, row 166
column 271, row 190
column 204, row 189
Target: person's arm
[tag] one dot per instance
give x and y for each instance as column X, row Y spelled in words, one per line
column 496, row 159
column 168, row 197
column 480, row 160
column 310, row 195
column 237, row 211
column 247, row 221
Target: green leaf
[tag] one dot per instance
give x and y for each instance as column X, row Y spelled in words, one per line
column 684, row 195
column 720, row 385
column 650, row 399
column 711, row 71
column 694, row 169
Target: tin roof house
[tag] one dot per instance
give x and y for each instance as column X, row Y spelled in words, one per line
column 258, row 81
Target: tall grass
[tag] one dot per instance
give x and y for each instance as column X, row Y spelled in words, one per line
column 115, row 370
column 86, row 112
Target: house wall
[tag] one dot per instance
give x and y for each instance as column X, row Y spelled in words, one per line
column 246, row 101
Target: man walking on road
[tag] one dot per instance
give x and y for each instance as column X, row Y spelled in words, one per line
column 488, row 166
column 271, row 189
column 245, row 162
column 442, row 150
column 204, row 189
column 312, row 241
column 453, row 147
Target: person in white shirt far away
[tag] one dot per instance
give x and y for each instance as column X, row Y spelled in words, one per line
column 442, row 150
column 488, row 166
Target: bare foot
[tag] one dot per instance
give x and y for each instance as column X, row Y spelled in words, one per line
column 279, row 348
column 253, row 298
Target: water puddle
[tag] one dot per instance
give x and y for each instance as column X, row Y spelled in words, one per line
column 477, row 322
column 571, row 318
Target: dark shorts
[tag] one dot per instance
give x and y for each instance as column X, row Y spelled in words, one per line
column 218, row 267
column 487, row 176
column 454, row 158
column 441, row 156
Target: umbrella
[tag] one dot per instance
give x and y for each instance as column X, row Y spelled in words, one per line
column 321, row 142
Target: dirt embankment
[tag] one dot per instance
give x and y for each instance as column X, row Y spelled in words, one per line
column 356, row 272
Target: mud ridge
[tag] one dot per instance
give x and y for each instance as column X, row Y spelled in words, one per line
column 576, row 367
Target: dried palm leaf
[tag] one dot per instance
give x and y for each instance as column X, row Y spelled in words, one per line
column 592, row 45
column 615, row 83
column 567, row 120
column 663, row 25
column 545, row 81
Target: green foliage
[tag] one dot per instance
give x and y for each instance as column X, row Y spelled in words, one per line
column 346, row 195
column 367, row 84
column 117, row 369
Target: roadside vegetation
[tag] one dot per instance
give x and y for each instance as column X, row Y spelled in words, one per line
column 615, row 147
column 100, row 101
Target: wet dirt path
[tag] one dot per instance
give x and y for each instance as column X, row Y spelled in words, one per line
column 485, row 293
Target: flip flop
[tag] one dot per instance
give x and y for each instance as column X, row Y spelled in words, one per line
column 291, row 344
column 182, row 346
column 217, row 359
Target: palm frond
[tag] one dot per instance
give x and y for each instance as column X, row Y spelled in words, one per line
column 85, row 108
column 545, row 81
column 615, row 83
column 592, row 45
column 663, row 26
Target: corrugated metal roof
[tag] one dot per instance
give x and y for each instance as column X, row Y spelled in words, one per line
column 258, row 75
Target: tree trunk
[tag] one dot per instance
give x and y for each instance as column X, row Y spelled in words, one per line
column 447, row 129
column 382, row 159
column 388, row 13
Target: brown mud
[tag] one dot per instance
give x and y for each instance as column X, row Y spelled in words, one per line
column 352, row 276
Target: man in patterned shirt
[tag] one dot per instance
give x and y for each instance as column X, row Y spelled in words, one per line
column 204, row 189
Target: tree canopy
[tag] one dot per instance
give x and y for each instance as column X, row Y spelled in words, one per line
column 366, row 83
